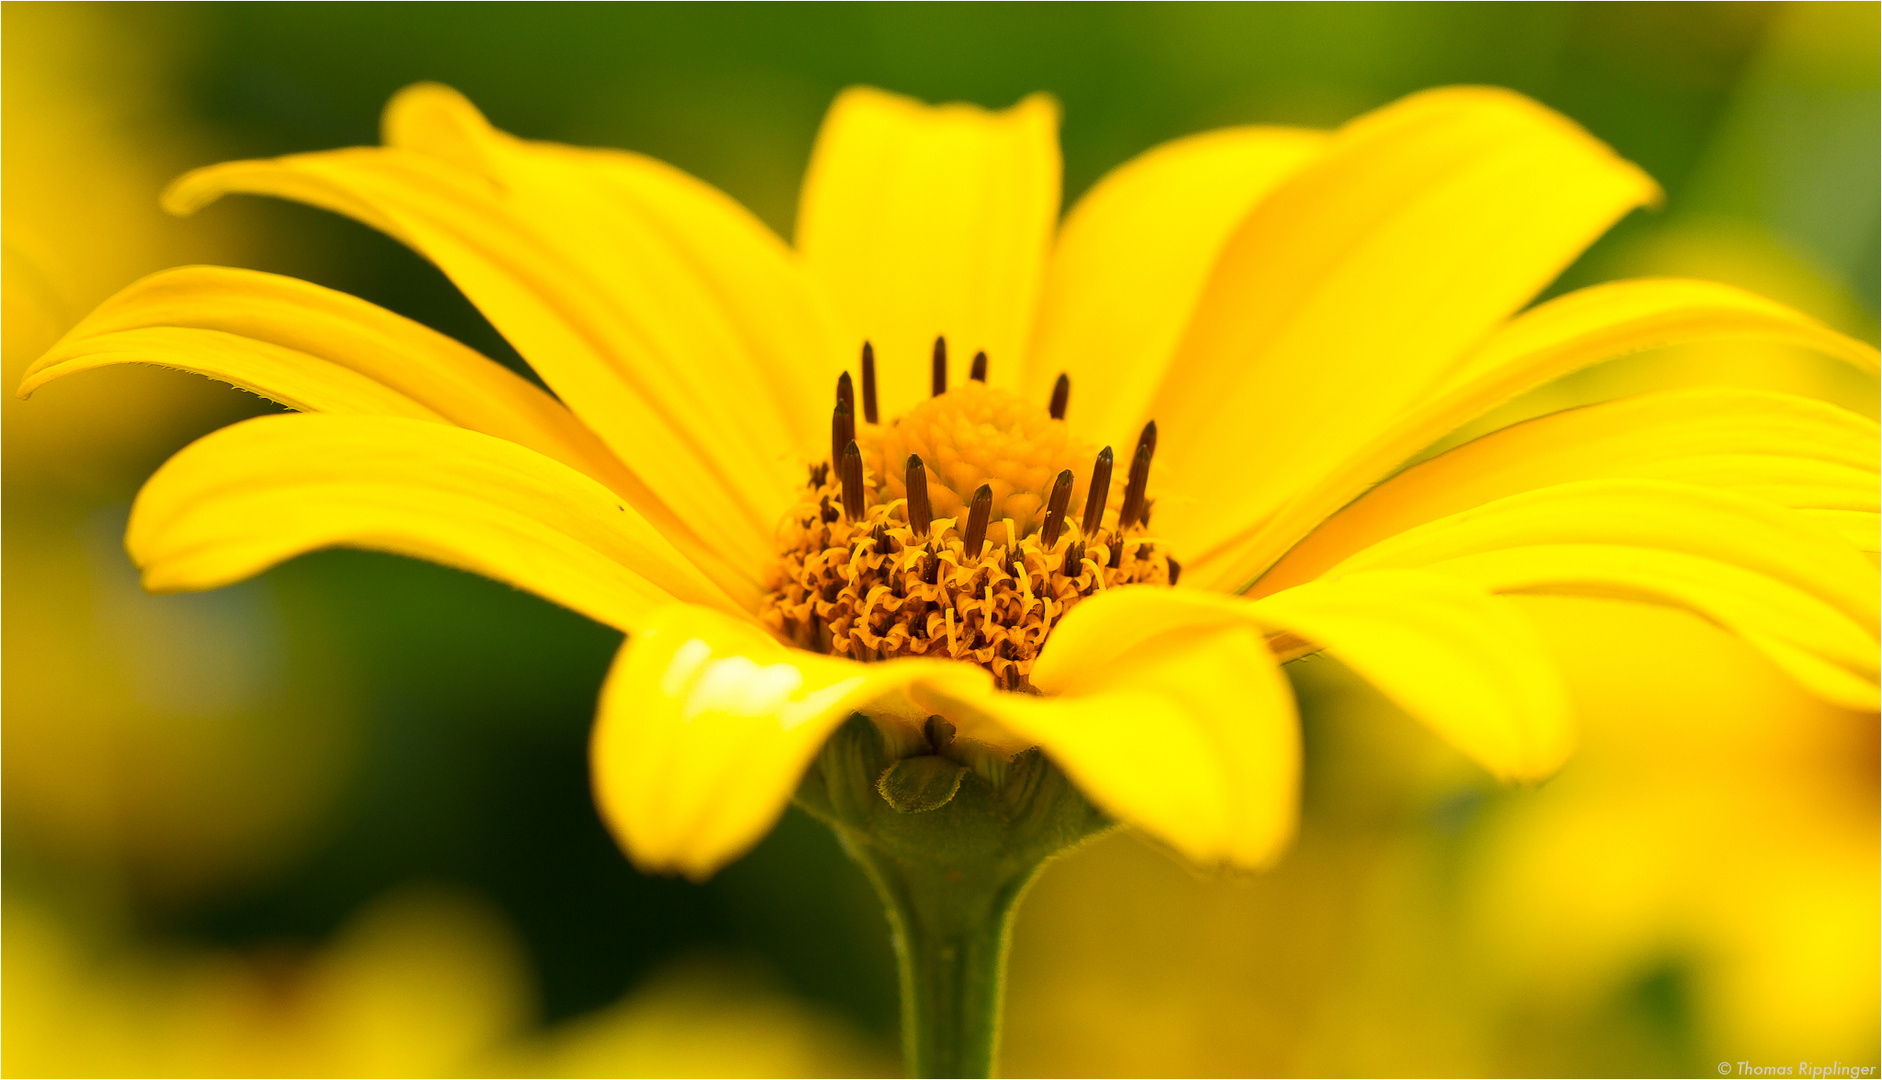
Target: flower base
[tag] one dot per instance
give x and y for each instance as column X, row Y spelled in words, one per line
column 950, row 850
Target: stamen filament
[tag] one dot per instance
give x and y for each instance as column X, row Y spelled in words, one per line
column 920, row 513
column 1139, row 482
column 1061, row 394
column 1099, row 492
column 853, row 498
column 1055, row 509
column 975, row 537
column 842, row 433
column 1074, row 556
column 869, row 382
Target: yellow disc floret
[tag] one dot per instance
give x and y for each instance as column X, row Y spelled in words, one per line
column 858, row 578
column 973, row 435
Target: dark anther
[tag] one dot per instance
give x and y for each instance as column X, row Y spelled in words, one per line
column 1100, row 491
column 1055, row 509
column 1176, row 570
column 869, row 382
column 1117, row 551
column 1139, row 481
column 940, row 366
column 930, row 566
column 845, row 392
column 975, row 537
column 919, row 511
column 842, row 433
column 827, row 512
column 853, row 481
column 1074, row 558
column 1061, row 393
column 938, row 732
column 879, row 536
column 819, row 473
column 979, row 372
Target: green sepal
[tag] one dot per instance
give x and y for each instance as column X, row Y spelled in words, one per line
column 917, row 784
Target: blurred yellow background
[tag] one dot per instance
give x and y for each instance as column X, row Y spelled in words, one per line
column 335, row 821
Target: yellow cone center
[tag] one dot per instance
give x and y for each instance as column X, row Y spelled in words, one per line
column 872, row 588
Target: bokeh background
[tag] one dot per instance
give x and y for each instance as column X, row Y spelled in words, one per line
column 336, row 820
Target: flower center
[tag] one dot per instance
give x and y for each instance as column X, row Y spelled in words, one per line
column 964, row 529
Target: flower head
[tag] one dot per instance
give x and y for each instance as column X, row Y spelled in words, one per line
column 1178, row 456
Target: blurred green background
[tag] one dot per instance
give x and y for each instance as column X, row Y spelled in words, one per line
column 337, row 819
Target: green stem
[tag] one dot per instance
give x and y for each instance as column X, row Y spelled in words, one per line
column 950, row 838
column 951, row 933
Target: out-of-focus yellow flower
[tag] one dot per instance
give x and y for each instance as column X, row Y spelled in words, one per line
column 167, row 746
column 91, row 130
column 421, row 983
column 702, row 1020
column 1725, row 827
column 1697, row 884
column 1301, row 312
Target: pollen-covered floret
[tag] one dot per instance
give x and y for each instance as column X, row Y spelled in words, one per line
column 872, row 589
column 972, row 435
column 952, row 531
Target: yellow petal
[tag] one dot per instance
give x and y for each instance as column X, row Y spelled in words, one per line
column 1862, row 528
column 249, row 496
column 1358, row 283
column 1132, row 259
column 286, row 376
column 1761, row 570
column 716, row 292
column 1788, row 450
column 1465, row 663
column 319, row 350
column 605, row 272
column 1566, row 334
column 707, row 724
column 1821, row 647
column 932, row 220
column 1188, row 734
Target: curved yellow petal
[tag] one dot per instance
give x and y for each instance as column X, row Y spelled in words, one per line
column 246, row 497
column 1791, row 451
column 1463, row 662
column 1466, row 664
column 1761, row 570
column 1571, row 332
column 1131, row 261
column 1731, row 528
column 318, row 350
column 604, row 270
column 1862, row 528
column 1816, row 644
column 932, row 220
column 285, row 376
column 1188, row 734
column 706, row 727
column 1361, row 281
column 716, row 293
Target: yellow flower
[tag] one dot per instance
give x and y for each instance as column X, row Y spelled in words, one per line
column 1301, row 313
